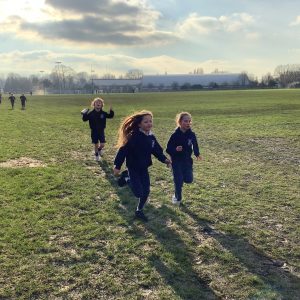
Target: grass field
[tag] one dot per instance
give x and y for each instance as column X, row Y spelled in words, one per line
column 67, row 230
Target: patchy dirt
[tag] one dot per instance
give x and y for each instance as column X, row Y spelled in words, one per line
column 79, row 155
column 22, row 162
column 280, row 150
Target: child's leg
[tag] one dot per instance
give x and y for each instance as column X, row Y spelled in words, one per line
column 96, row 145
column 102, row 142
column 178, row 180
column 187, row 172
column 145, row 180
column 100, row 148
column 140, row 186
column 95, row 141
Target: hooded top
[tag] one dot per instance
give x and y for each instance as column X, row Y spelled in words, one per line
column 97, row 119
column 187, row 140
column 138, row 151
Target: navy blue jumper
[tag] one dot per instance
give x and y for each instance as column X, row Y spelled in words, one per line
column 182, row 162
column 97, row 122
column 23, row 100
column 137, row 153
column 12, row 99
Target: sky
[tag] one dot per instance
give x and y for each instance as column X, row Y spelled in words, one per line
column 155, row 36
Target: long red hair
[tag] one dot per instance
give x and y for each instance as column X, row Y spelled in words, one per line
column 129, row 125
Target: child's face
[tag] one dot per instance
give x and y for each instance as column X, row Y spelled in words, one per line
column 146, row 123
column 98, row 105
column 185, row 123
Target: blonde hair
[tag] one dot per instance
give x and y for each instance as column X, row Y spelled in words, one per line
column 129, row 125
column 180, row 116
column 95, row 100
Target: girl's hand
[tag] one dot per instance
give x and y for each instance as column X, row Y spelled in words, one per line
column 169, row 163
column 179, row 148
column 116, row 172
column 200, row 157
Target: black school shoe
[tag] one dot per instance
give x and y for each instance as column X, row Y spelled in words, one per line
column 140, row 215
column 122, row 181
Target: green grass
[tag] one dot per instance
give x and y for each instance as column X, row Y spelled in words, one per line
column 67, row 230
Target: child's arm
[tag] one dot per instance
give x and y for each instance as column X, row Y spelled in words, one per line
column 119, row 159
column 171, row 147
column 157, row 151
column 196, row 148
column 111, row 113
column 85, row 114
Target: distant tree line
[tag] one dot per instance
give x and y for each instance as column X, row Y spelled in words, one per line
column 285, row 76
column 61, row 78
column 64, row 78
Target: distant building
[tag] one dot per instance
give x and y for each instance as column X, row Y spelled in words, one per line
column 117, row 85
column 173, row 82
column 190, row 80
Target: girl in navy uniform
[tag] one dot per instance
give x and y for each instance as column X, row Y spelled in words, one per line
column 181, row 145
column 97, row 120
column 23, row 101
column 136, row 144
column 12, row 99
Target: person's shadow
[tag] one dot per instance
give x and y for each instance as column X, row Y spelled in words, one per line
column 269, row 271
column 177, row 270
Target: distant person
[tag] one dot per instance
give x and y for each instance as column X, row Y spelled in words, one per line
column 30, row 93
column 181, row 145
column 12, row 99
column 23, row 101
column 97, row 121
column 136, row 145
column 0, row 98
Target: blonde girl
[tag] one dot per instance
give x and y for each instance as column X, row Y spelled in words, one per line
column 181, row 145
column 97, row 121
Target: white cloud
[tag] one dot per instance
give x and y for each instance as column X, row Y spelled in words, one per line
column 32, row 62
column 28, row 10
column 236, row 22
column 196, row 24
column 296, row 22
column 204, row 25
column 294, row 51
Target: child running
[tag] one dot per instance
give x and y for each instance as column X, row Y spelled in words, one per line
column 97, row 120
column 12, row 99
column 180, row 147
column 23, row 101
column 136, row 144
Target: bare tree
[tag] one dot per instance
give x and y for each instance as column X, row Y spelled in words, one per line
column 287, row 74
column 198, row 71
column 243, row 79
column 134, row 74
column 108, row 76
column 217, row 71
column 63, row 76
column 16, row 83
column 2, row 82
column 268, row 80
column 82, row 78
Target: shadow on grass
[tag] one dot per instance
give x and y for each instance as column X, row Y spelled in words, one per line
column 281, row 281
column 175, row 263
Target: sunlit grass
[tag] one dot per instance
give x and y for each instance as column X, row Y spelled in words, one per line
column 67, row 230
